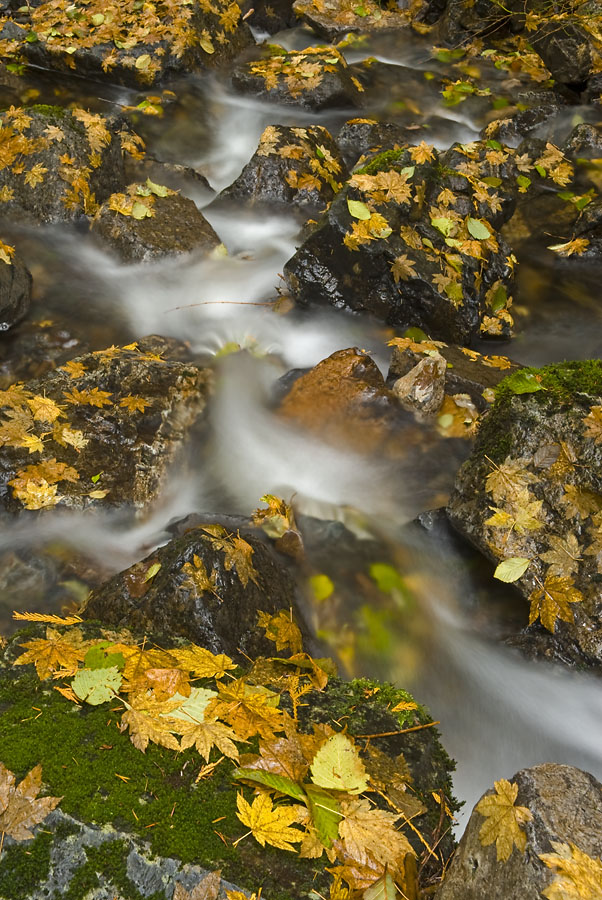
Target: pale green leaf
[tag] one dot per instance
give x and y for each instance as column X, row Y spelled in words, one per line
column 511, row 569
column 96, row 686
column 337, row 766
column 477, row 229
column 358, row 209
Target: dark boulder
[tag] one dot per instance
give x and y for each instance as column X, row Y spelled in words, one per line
column 567, row 50
column 532, row 491
column 269, row 15
column 103, row 429
column 561, row 826
column 359, row 137
column 150, row 221
column 337, row 18
column 15, row 288
column 299, row 167
column 407, row 237
column 315, row 78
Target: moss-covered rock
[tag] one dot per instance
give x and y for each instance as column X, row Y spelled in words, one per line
column 532, row 489
column 100, row 430
column 138, row 822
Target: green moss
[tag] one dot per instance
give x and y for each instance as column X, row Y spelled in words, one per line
column 24, row 866
column 55, row 112
column 561, row 380
column 383, row 161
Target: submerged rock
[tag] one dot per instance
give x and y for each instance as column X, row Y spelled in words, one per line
column 315, row 78
column 413, row 241
column 151, row 221
column 128, row 44
column 532, row 491
column 58, row 164
column 102, row 429
column 298, row 167
column 561, row 827
column 206, row 586
column 170, row 817
column 15, row 288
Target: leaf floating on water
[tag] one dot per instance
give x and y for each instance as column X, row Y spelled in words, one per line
column 512, row 569
column 503, row 820
column 270, row 824
column 337, row 766
column 577, row 875
column 20, row 811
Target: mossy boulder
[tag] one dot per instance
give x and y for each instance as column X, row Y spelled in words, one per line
column 57, row 164
column 384, row 244
column 147, row 223
column 532, row 490
column 208, row 588
column 103, row 429
column 359, row 137
column 315, row 78
column 292, row 167
column 15, row 288
column 124, row 43
column 136, row 823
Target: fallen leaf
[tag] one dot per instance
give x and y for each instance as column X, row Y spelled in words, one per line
column 503, row 820
column 96, row 686
column 281, row 629
column 55, row 651
column 207, row 889
column 577, row 875
column 20, row 811
column 270, row 824
column 549, row 602
column 337, row 766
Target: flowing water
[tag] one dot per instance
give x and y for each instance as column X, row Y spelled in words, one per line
column 498, row 713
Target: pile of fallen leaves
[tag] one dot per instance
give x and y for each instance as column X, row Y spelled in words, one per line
column 316, row 794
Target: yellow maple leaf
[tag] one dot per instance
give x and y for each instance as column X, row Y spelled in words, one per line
column 564, row 556
column 206, row 735
column 270, row 824
column 167, row 682
column 248, row 709
column 237, row 551
column 577, row 245
column 73, row 368
column 134, row 404
column 35, row 175
column 369, row 833
column 197, row 578
column 66, row 436
column 93, row 397
column 422, row 153
column 550, row 601
column 402, row 268
column 580, row 502
column 503, row 820
column 577, row 875
column 593, row 424
column 44, row 409
column 521, row 516
column 282, row 630
column 55, row 651
column 202, row 662
column 148, row 721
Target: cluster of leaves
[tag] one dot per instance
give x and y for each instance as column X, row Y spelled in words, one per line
column 317, row 165
column 577, row 875
column 299, row 71
column 139, row 200
column 144, row 39
column 317, row 790
column 364, row 14
column 33, row 421
column 25, row 140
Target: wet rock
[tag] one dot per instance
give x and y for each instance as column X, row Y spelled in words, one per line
column 532, row 489
column 332, row 19
column 358, row 137
column 566, row 49
column 58, row 164
column 466, row 371
column 566, row 808
column 132, row 46
column 95, row 846
column 516, row 123
column 299, row 167
column 35, row 347
column 315, row 78
column 584, row 141
column 344, row 399
column 381, row 245
column 174, row 176
column 423, row 388
column 464, row 18
column 150, row 221
column 269, row 15
column 103, row 429
column 15, row 288
column 208, row 589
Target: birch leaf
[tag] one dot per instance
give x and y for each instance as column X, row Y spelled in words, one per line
column 503, row 820
column 337, row 766
column 511, row 569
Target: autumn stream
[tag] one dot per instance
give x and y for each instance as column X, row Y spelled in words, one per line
column 498, row 713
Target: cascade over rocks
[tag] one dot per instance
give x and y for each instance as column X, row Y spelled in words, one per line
column 532, row 489
column 565, row 807
column 400, row 220
column 298, row 167
column 102, row 429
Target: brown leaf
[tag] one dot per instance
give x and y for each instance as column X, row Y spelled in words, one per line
column 19, row 808
column 207, row 889
column 564, row 555
column 550, row 601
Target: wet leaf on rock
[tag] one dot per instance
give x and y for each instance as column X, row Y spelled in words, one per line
column 512, row 569
column 337, row 766
column 503, row 820
column 550, row 601
column 270, row 824
column 577, row 875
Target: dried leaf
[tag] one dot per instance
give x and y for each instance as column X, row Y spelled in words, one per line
column 367, row 832
column 565, row 555
column 201, row 662
column 281, row 629
column 270, row 824
column 55, row 651
column 503, row 820
column 549, row 602
column 20, row 811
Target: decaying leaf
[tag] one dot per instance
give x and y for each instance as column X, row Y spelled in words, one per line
column 577, row 875
column 503, row 820
column 550, row 601
column 563, row 556
column 281, row 629
column 207, row 889
column 369, row 832
column 20, row 807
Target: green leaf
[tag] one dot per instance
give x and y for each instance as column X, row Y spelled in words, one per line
column 192, row 708
column 500, row 298
column 358, row 209
column 337, row 766
column 494, row 145
column 478, row 229
column 96, row 658
column 141, row 211
column 541, row 171
column 361, row 11
column 325, row 814
column 511, row 569
column 383, row 889
column 151, row 571
column 97, row 19
column 523, row 181
column 143, row 62
column 96, row 686
column 522, row 383
column 159, row 189
column 278, row 782
column 416, row 334
column 408, row 170
column 443, row 224
column 321, row 586
column 492, row 180
column 387, row 578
